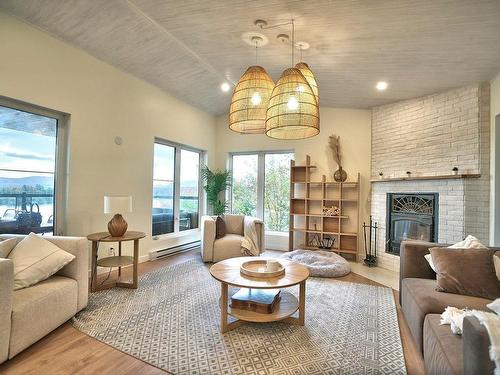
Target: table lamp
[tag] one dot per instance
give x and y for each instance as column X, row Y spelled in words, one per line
column 117, row 204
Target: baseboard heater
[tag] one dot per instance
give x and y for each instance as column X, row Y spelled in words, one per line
column 157, row 254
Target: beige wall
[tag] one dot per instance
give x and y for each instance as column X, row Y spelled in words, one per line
column 353, row 127
column 103, row 102
column 495, row 161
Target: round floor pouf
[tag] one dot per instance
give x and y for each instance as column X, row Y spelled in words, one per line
column 320, row 263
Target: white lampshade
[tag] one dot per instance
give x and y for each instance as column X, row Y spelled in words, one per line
column 117, row 204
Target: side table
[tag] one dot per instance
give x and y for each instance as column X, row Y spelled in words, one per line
column 115, row 261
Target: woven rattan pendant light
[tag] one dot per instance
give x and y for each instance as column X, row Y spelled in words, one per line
column 247, row 113
column 309, row 76
column 293, row 111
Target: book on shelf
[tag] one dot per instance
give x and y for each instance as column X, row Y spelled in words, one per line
column 258, row 300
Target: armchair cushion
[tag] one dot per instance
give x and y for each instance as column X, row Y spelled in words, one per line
column 226, row 247
column 234, row 224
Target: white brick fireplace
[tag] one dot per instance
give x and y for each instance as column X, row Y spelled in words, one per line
column 428, row 137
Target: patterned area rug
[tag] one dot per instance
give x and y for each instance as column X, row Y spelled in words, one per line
column 172, row 322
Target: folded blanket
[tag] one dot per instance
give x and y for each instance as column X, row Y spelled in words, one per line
column 455, row 317
column 250, row 241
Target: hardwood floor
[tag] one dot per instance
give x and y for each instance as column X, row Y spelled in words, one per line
column 69, row 351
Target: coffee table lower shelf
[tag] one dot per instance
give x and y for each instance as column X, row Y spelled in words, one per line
column 288, row 305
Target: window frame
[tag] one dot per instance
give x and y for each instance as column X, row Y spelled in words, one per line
column 61, row 156
column 178, row 147
column 261, row 177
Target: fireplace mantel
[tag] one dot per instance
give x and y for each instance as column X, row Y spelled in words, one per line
column 416, row 178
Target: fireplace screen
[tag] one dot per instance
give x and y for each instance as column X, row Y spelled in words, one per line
column 410, row 217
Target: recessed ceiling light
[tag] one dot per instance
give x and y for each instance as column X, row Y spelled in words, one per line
column 225, row 87
column 381, row 85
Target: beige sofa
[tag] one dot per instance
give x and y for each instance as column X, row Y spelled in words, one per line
column 229, row 246
column 28, row 314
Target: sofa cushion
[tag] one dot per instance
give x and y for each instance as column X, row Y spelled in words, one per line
column 35, row 259
column 443, row 352
column 6, row 247
column 234, row 224
column 39, row 309
column 228, row 246
column 466, row 271
column 419, row 298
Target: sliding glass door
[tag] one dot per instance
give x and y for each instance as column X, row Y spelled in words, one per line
column 261, row 187
column 176, row 188
column 30, row 168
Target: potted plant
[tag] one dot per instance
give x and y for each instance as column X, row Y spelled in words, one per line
column 216, row 182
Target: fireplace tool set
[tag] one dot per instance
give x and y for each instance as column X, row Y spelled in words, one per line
column 370, row 246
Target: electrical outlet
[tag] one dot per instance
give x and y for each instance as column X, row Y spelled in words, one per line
column 111, row 251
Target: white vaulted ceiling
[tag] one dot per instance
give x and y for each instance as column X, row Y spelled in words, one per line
column 188, row 47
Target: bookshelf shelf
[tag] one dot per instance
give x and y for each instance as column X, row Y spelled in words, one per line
column 308, row 197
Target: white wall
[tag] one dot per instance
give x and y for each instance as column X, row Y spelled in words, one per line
column 353, row 127
column 495, row 161
column 103, row 102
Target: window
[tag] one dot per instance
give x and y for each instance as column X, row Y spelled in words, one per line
column 261, row 187
column 176, row 188
column 30, row 162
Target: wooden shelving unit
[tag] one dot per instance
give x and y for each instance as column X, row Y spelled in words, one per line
column 307, row 199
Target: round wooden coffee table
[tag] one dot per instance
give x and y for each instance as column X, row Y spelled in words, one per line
column 228, row 273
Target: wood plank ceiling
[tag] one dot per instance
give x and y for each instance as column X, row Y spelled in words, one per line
column 189, row 47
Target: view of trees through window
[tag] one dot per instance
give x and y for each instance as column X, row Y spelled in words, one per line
column 27, row 171
column 261, row 187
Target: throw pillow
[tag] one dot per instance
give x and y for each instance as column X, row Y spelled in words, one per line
column 36, row 259
column 220, row 227
column 6, row 247
column 496, row 261
column 494, row 306
column 466, row 271
column 470, row 242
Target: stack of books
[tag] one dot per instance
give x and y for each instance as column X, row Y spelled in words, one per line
column 262, row 301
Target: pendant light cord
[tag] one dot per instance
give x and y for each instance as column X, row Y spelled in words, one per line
column 293, row 42
column 256, row 49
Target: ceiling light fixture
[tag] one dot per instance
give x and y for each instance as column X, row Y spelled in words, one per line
column 247, row 112
column 293, row 111
column 225, row 87
column 381, row 85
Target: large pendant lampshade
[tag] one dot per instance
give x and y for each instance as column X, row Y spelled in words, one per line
column 247, row 113
column 293, row 111
column 309, row 76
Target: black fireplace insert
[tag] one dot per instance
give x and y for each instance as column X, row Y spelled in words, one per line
column 411, row 216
